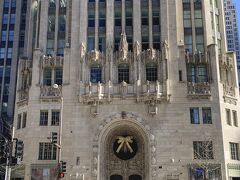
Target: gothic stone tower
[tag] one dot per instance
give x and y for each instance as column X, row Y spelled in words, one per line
column 146, row 91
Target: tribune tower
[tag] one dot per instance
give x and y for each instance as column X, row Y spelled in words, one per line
column 146, row 90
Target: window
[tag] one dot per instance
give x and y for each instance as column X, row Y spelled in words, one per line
column 51, row 23
column 123, row 73
column 203, row 150
column 55, row 118
column 6, row 3
column 90, row 43
column 5, row 19
column 202, row 73
column 151, row 72
column 43, row 118
column 47, row 77
column 235, row 119
column 9, row 53
column 207, row 115
column 11, row 35
column 4, row 36
column 2, row 53
column 58, row 76
column 47, row 151
column 228, row 117
column 12, row 19
column 234, row 151
column 24, row 123
column 19, row 121
column 194, row 115
column 96, row 73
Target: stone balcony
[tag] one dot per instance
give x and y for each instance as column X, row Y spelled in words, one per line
column 49, row 92
column 196, row 58
column 49, row 61
column 108, row 92
column 199, row 90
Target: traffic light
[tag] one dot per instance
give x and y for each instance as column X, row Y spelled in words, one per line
column 19, row 149
column 63, row 166
column 54, row 137
column 61, row 175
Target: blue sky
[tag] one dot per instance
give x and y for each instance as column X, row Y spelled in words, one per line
column 238, row 12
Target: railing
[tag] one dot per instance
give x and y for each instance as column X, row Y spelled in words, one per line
column 199, row 88
column 124, row 90
column 56, row 61
column 50, row 92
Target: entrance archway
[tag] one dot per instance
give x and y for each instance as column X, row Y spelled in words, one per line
column 124, row 151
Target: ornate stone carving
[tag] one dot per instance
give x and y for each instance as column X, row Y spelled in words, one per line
column 95, row 56
column 199, row 90
column 50, row 92
column 229, row 90
column 82, row 52
column 52, row 62
column 165, row 50
column 137, row 49
column 123, row 48
column 138, row 163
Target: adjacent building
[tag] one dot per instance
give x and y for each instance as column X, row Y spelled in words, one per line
column 134, row 89
column 232, row 31
column 14, row 43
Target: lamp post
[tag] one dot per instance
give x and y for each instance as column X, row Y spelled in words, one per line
column 56, row 86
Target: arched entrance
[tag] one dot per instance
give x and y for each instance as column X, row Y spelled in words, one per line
column 124, row 151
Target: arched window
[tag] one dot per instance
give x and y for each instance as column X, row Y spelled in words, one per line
column 96, row 73
column 116, row 177
column 123, row 73
column 151, row 72
column 135, row 177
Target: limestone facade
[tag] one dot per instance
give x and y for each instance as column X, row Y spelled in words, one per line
column 156, row 114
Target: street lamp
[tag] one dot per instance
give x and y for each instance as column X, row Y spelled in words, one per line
column 56, row 86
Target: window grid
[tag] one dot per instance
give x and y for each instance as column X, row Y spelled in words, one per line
column 207, row 115
column 19, row 121
column 96, row 74
column 24, row 123
column 228, row 117
column 43, row 118
column 123, row 73
column 203, row 150
column 235, row 119
column 234, row 151
column 55, row 118
column 151, row 72
column 47, row 151
column 194, row 115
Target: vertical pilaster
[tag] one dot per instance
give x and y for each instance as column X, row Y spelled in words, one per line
column 137, row 21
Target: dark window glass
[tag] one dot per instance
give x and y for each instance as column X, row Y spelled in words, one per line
column 123, row 73
column 96, row 74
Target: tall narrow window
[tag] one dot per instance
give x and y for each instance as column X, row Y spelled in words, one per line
column 19, row 121
column 234, row 147
column 55, row 118
column 202, row 73
column 156, row 24
column 117, row 23
column 43, row 118
column 145, row 24
column 47, row 77
column 235, row 119
column 91, row 26
column 191, row 73
column 123, row 73
column 228, row 117
column 151, row 72
column 96, row 73
column 58, row 76
column 207, row 115
column 194, row 116
column 24, row 123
